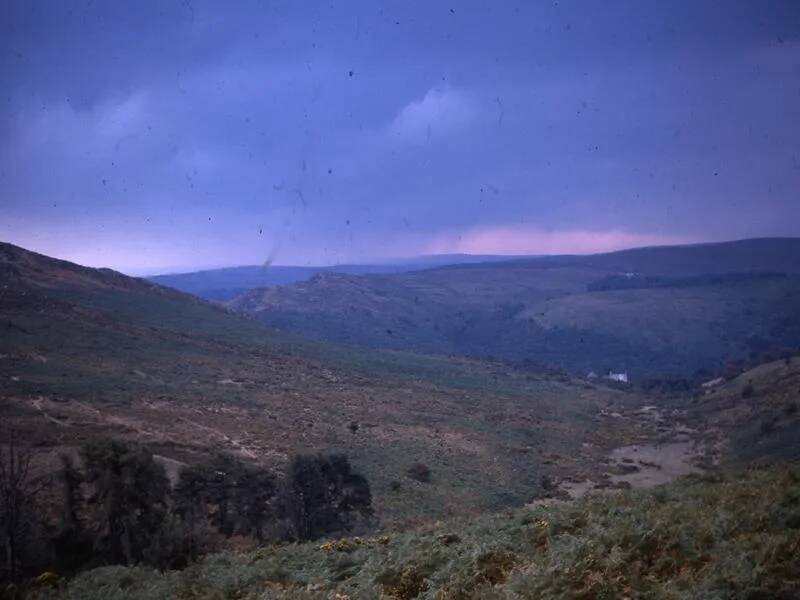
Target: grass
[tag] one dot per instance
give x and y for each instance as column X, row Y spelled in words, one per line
column 736, row 536
column 757, row 412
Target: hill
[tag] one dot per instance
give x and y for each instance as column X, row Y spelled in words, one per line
column 224, row 284
column 649, row 311
column 89, row 353
column 758, row 411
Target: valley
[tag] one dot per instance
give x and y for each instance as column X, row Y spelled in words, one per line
column 649, row 312
column 90, row 354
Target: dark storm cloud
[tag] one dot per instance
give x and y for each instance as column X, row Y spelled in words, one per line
column 154, row 134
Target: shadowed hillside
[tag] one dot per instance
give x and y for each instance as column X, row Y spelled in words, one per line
column 649, row 311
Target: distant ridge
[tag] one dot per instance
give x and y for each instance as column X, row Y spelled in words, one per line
column 226, row 283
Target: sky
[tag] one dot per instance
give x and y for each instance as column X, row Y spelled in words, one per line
column 165, row 136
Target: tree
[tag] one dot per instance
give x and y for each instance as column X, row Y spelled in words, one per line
column 71, row 542
column 129, row 499
column 321, row 494
column 234, row 496
column 18, row 491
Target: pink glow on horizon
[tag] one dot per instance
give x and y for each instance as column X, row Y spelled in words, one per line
column 533, row 240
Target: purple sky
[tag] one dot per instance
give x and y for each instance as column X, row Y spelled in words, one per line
column 151, row 136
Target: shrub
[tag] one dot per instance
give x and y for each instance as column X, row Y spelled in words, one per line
column 768, row 425
column 419, row 472
column 406, row 584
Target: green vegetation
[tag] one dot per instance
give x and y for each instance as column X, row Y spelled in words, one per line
column 757, row 411
column 714, row 537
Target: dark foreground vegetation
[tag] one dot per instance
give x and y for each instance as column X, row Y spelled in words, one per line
column 119, row 508
column 736, row 536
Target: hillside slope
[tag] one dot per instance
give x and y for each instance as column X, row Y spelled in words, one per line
column 757, row 412
column 90, row 353
column 735, row 537
column 648, row 311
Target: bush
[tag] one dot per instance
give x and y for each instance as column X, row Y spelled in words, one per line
column 768, row 425
column 419, row 472
column 748, row 391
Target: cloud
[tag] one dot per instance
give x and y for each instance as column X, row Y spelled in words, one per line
column 440, row 111
column 62, row 128
column 533, row 240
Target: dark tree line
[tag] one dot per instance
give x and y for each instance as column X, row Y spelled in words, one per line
column 18, row 489
column 118, row 507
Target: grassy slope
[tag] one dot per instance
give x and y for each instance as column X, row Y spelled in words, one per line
column 87, row 353
column 541, row 309
column 702, row 538
column 759, row 413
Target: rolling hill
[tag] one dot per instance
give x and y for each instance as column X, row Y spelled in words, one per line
column 649, row 311
column 225, row 284
column 89, row 353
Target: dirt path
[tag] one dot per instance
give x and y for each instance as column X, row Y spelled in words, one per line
column 38, row 405
column 675, row 454
column 646, row 466
column 241, row 448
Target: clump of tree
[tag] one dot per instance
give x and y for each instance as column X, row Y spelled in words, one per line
column 233, row 497
column 670, row 384
column 321, row 495
column 19, row 492
column 118, row 507
column 128, row 500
